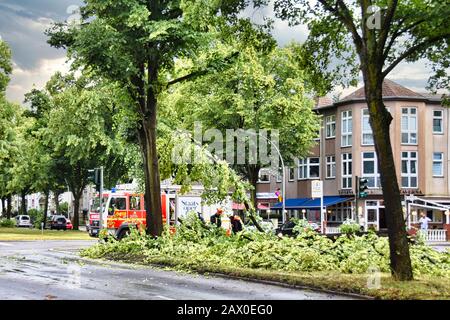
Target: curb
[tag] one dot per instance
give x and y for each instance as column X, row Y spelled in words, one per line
column 290, row 286
column 272, row 282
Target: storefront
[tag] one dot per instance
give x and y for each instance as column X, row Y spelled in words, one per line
column 338, row 210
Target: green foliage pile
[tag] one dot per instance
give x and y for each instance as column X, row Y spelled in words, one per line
column 7, row 223
column 195, row 245
column 350, row 227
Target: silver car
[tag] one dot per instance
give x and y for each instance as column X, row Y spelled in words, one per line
column 23, row 221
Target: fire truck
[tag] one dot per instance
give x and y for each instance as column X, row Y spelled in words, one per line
column 121, row 210
column 125, row 208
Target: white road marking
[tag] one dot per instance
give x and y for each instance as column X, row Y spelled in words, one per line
column 5, row 244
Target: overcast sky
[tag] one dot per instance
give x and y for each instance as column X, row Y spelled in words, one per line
column 23, row 22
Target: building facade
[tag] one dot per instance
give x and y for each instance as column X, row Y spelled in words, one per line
column 420, row 140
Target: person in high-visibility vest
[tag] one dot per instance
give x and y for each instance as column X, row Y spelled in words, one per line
column 236, row 223
column 217, row 218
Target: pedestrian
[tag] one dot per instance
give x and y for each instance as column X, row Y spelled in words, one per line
column 278, row 194
column 236, row 223
column 424, row 222
column 217, row 218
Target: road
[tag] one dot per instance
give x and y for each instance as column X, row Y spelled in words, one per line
column 48, row 270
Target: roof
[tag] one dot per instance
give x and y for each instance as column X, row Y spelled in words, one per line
column 310, row 203
column 391, row 91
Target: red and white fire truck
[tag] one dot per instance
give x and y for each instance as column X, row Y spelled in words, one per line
column 125, row 208
column 121, row 210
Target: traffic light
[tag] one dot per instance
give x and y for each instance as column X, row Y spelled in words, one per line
column 362, row 187
column 94, row 177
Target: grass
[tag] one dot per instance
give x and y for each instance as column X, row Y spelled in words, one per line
column 20, row 234
column 422, row 288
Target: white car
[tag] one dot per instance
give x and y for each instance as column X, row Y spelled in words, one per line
column 23, row 221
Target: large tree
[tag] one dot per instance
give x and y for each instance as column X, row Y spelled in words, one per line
column 264, row 89
column 136, row 43
column 9, row 115
column 380, row 34
column 80, row 129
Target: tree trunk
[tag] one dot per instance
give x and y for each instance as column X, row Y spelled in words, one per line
column 380, row 120
column 23, row 204
column 253, row 175
column 76, row 209
column 47, row 194
column 8, row 206
column 153, row 184
column 57, row 194
column 3, row 205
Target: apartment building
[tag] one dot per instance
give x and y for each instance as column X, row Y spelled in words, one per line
column 420, row 139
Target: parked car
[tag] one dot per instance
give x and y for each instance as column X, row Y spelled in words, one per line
column 287, row 228
column 23, row 221
column 60, row 223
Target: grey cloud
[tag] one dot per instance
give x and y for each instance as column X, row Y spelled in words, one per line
column 22, row 25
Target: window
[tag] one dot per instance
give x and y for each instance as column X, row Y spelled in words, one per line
column 135, row 203
column 331, row 167
column 302, row 169
column 117, row 204
column 346, row 171
column 264, row 176
column 340, row 212
column 314, row 168
column 308, row 168
column 346, row 129
column 409, row 126
column 437, row 121
column 370, row 169
column 438, row 164
column 330, row 126
column 291, row 174
column 279, row 175
column 366, row 130
column 409, row 169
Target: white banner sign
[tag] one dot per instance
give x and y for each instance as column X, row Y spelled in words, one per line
column 316, row 189
column 188, row 204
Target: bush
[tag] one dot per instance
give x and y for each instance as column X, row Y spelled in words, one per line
column 63, row 208
column 37, row 217
column 350, row 227
column 7, row 223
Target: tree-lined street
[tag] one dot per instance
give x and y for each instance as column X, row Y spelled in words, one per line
column 49, row 270
column 165, row 136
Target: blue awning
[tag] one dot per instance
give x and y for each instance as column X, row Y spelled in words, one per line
column 310, row 203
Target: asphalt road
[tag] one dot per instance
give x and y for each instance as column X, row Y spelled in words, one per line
column 48, row 270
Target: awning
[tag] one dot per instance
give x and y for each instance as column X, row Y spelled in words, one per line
column 310, row 203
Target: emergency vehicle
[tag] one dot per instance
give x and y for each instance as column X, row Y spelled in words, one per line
column 125, row 208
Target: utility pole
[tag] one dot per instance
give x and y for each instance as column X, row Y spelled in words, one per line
column 100, row 224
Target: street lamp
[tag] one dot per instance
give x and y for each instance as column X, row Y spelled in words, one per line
column 283, row 189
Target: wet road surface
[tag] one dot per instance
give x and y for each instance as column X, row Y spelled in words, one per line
column 47, row 270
